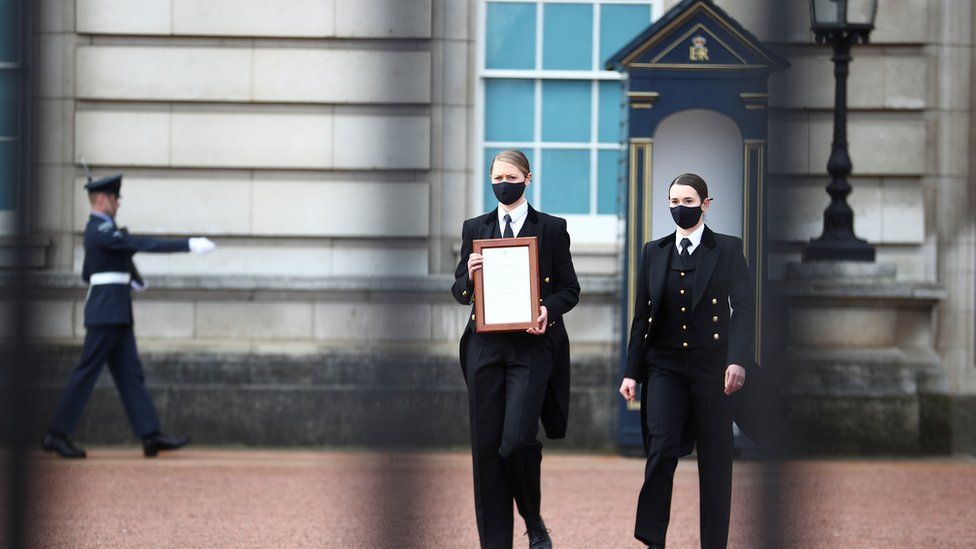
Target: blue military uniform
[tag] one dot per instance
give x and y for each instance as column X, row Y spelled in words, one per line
column 109, row 338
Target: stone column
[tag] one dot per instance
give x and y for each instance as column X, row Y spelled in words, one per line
column 950, row 193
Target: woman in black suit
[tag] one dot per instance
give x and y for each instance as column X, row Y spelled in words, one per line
column 514, row 379
column 688, row 350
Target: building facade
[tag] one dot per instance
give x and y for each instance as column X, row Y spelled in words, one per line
column 332, row 149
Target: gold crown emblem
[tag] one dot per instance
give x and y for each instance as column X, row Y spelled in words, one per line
column 698, row 41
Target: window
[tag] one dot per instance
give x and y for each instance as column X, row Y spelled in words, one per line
column 12, row 111
column 542, row 89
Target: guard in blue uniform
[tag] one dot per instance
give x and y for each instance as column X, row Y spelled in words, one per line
column 111, row 274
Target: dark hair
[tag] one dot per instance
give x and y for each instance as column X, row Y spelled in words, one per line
column 692, row 180
column 514, row 157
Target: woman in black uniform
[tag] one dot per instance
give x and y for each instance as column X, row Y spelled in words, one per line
column 688, row 349
column 515, row 378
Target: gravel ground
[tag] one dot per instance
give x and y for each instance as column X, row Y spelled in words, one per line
column 280, row 498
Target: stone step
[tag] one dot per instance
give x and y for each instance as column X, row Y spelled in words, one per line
column 335, row 399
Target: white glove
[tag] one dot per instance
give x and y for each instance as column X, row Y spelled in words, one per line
column 139, row 287
column 202, row 246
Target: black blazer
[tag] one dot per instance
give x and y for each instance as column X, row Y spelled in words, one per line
column 110, row 249
column 721, row 277
column 558, row 288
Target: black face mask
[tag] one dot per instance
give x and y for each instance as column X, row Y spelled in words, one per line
column 686, row 217
column 508, row 193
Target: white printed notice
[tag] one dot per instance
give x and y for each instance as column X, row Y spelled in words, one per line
column 507, row 288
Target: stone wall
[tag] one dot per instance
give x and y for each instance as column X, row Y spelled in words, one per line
column 351, row 398
column 332, row 362
column 910, row 130
column 297, row 134
column 326, row 146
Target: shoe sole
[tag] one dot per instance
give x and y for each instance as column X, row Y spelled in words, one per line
column 154, row 451
column 51, row 450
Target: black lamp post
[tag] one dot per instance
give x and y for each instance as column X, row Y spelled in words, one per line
column 842, row 23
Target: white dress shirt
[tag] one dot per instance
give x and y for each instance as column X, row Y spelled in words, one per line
column 695, row 238
column 518, row 218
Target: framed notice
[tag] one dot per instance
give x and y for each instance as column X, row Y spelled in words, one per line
column 506, row 288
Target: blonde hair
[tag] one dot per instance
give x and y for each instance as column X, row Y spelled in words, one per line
column 514, row 157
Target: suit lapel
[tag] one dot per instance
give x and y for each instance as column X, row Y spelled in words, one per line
column 530, row 227
column 660, row 256
column 487, row 229
column 706, row 264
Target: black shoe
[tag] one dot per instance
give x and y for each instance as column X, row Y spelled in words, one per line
column 152, row 444
column 61, row 445
column 538, row 535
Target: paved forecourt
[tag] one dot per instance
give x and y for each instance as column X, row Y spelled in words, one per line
column 296, row 498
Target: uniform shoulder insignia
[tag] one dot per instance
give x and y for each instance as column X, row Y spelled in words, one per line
column 105, row 227
column 117, row 234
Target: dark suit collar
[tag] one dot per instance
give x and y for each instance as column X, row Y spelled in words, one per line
column 660, row 259
column 706, row 264
column 708, row 238
column 532, row 215
column 488, row 225
column 491, row 216
column 529, row 227
column 666, row 240
column 661, row 256
column 99, row 216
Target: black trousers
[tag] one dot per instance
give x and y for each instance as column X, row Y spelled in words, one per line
column 507, row 376
column 683, row 383
column 115, row 345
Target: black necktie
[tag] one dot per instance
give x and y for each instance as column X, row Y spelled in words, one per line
column 685, row 243
column 508, row 227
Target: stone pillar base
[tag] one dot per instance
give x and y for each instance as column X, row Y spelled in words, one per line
column 857, row 348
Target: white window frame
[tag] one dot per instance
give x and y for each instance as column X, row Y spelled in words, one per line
column 584, row 228
column 8, row 217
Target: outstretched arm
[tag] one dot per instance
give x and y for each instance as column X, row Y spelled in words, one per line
column 121, row 240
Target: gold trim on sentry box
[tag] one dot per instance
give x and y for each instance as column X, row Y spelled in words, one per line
column 699, row 6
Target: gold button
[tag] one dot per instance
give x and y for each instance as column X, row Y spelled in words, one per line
column 472, row 317
column 714, row 301
column 684, row 326
column 683, row 309
column 682, row 273
column 714, row 319
column 684, row 344
column 682, row 292
column 547, row 280
column 716, row 337
column 465, row 292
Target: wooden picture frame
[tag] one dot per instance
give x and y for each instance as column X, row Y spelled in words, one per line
column 497, row 288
